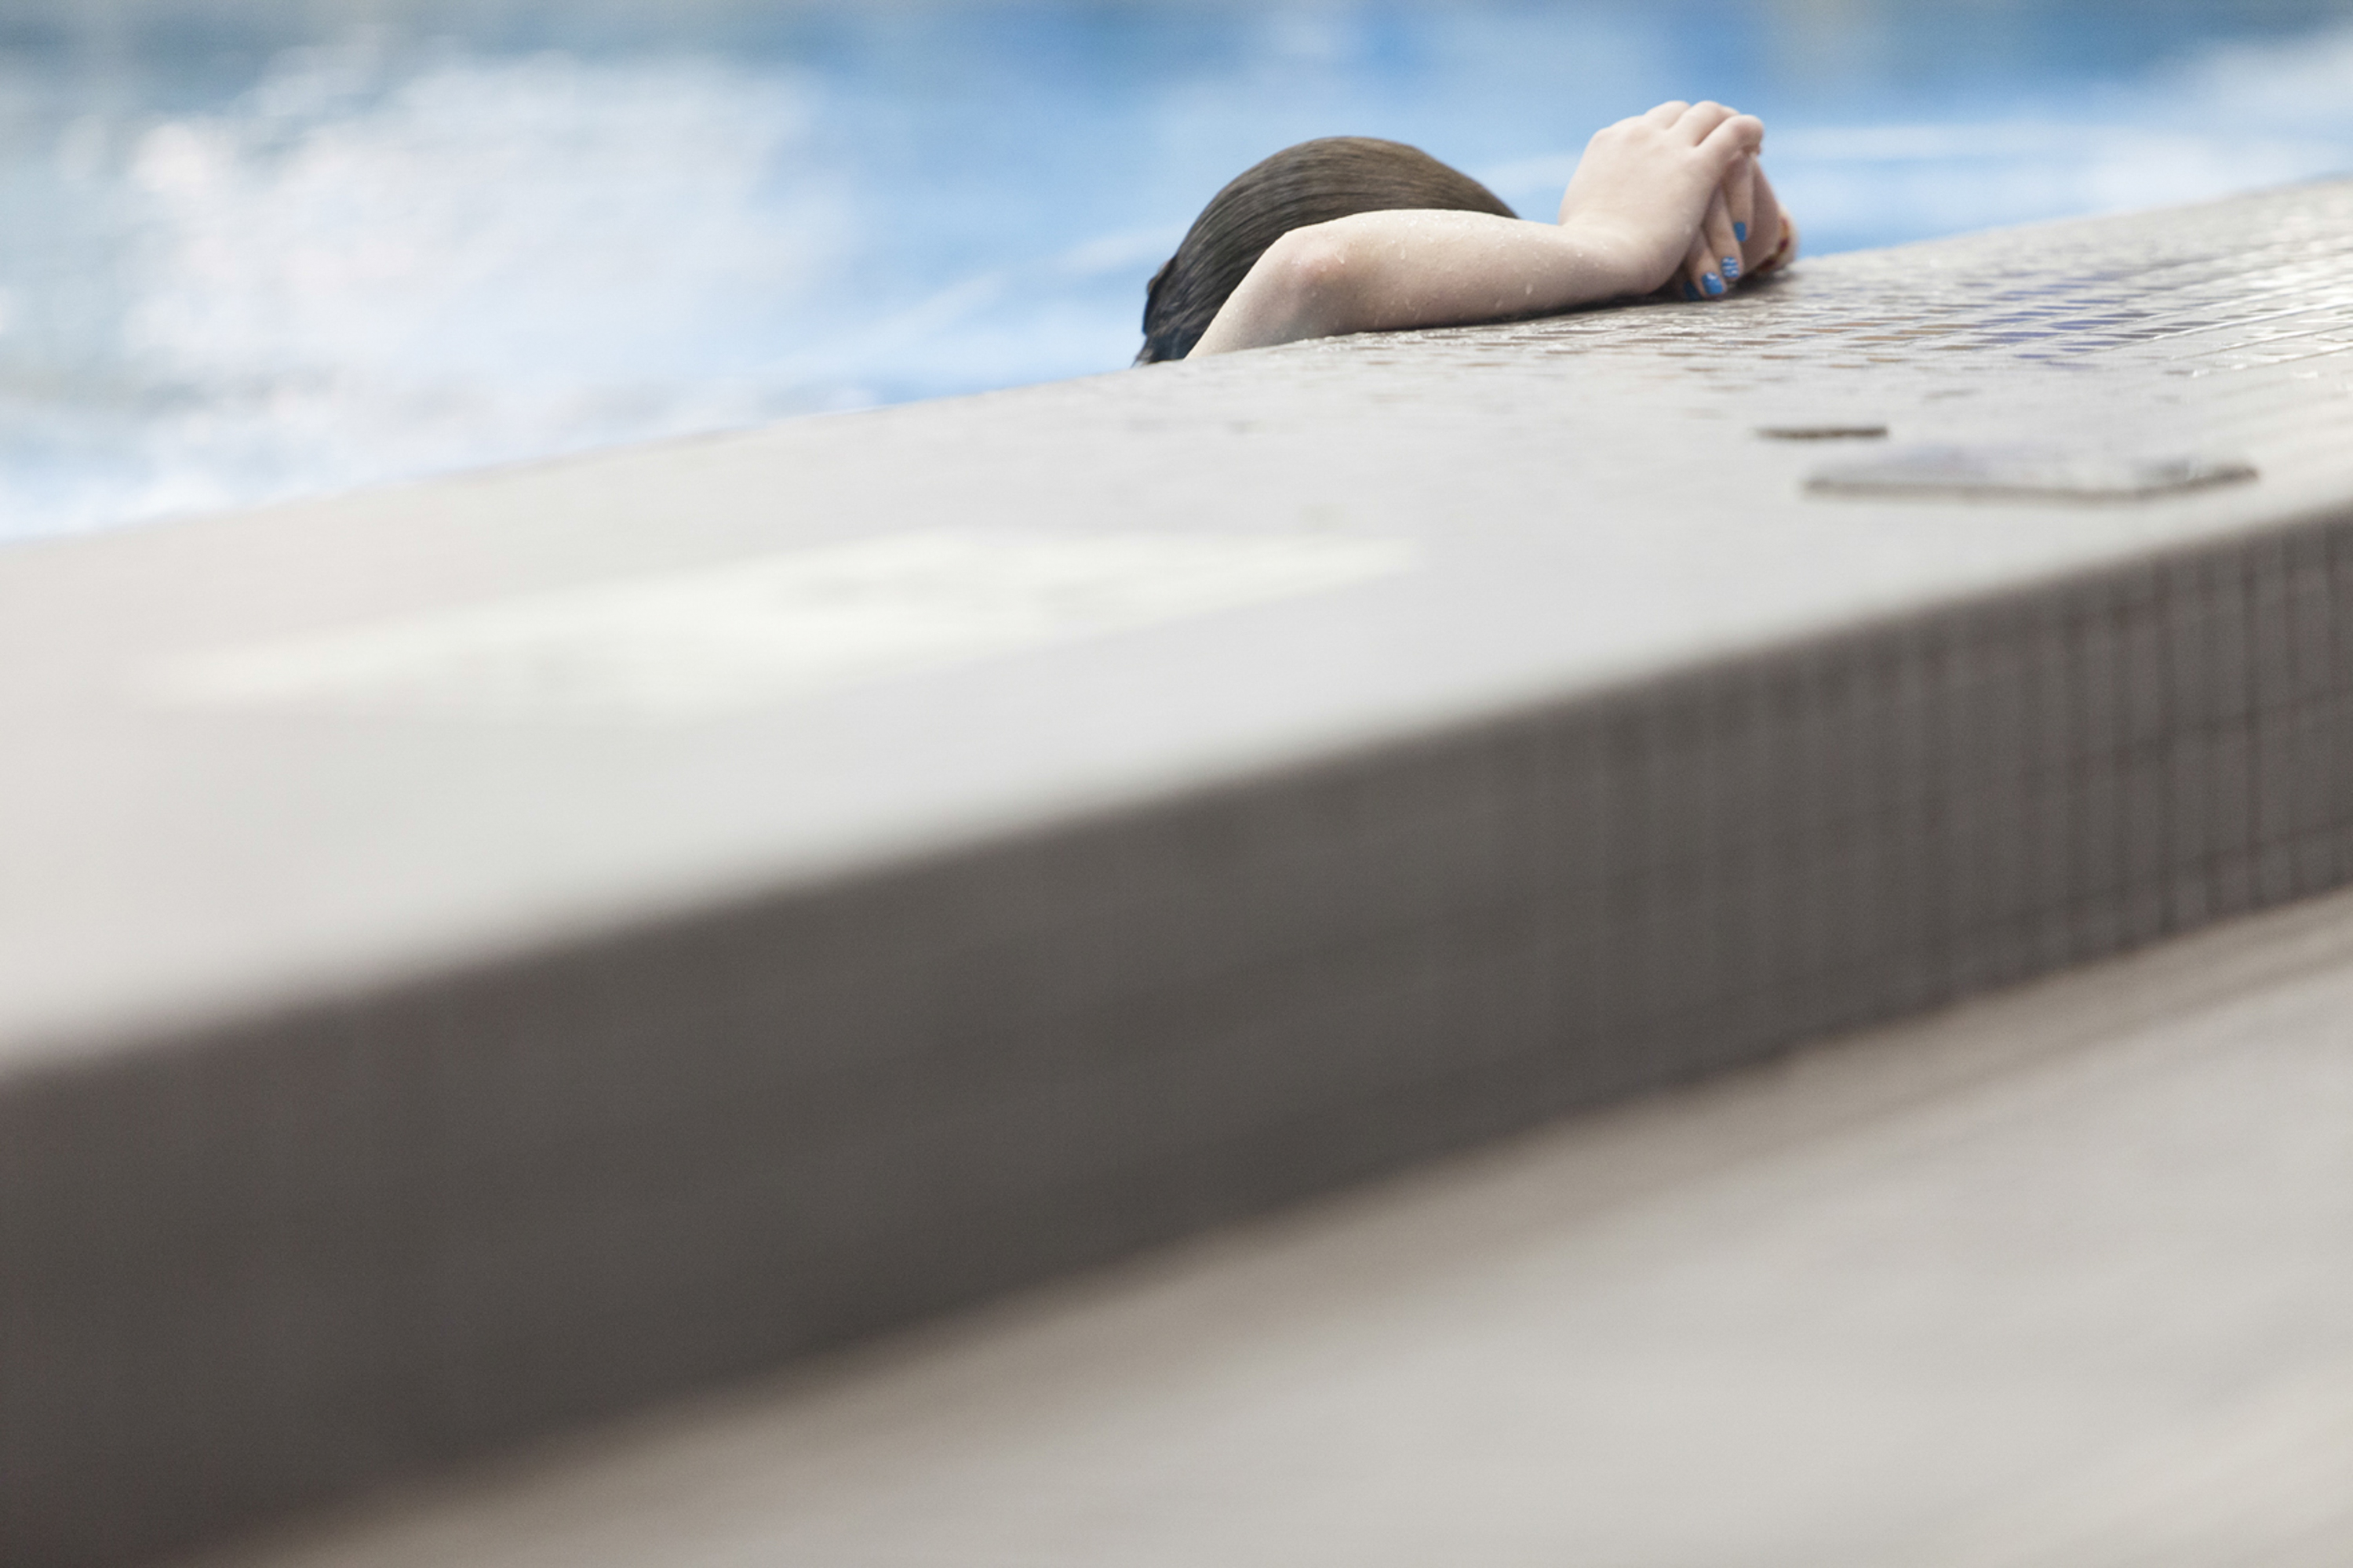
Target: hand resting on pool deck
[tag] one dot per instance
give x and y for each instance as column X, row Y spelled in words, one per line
column 1353, row 235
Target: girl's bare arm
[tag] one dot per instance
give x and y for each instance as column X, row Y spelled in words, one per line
column 1631, row 216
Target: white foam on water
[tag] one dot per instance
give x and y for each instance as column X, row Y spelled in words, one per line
column 489, row 261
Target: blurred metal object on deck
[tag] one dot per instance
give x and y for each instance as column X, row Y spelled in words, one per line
column 487, row 955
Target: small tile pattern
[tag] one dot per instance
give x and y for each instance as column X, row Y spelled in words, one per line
column 269, row 1263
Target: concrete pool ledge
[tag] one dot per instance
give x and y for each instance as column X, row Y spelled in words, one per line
column 490, row 953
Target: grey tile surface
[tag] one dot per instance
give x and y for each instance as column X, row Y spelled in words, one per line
column 396, row 1066
column 2051, row 1279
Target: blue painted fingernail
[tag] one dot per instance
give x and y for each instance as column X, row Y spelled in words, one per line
column 1740, row 232
column 1712, row 284
column 1690, row 292
column 1732, row 269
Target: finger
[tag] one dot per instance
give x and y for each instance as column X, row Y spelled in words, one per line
column 1764, row 222
column 1689, row 270
column 1722, row 248
column 1702, row 276
column 1740, row 196
column 1666, row 114
column 1696, row 122
column 1736, row 134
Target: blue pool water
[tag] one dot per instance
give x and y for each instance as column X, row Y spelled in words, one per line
column 250, row 250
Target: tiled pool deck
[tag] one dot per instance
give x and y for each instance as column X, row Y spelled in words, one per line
column 2053, row 1279
column 510, row 948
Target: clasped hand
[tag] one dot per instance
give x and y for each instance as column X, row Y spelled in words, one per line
column 1679, row 195
column 1672, row 200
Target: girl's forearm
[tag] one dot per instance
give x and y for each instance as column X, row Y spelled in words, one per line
column 1383, row 272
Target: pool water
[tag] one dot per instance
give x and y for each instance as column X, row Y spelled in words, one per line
column 257, row 251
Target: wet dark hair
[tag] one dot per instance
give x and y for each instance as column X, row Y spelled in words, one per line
column 1314, row 181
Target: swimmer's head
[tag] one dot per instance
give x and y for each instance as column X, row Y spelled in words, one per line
column 1314, row 181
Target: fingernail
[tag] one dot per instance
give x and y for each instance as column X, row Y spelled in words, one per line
column 1740, row 232
column 1732, row 269
column 1712, row 283
column 1690, row 292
